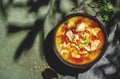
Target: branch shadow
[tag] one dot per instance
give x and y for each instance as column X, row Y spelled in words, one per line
column 28, row 41
column 14, row 28
column 35, row 5
column 3, row 9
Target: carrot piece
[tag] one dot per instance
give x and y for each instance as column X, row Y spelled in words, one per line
column 78, row 41
column 77, row 60
column 93, row 37
column 93, row 24
column 75, row 32
column 100, row 36
column 66, row 40
column 64, row 28
column 62, row 36
column 82, row 49
column 87, row 31
column 78, row 21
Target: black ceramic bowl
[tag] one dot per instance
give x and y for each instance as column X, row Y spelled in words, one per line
column 56, row 61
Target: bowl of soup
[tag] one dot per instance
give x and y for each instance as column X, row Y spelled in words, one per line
column 79, row 40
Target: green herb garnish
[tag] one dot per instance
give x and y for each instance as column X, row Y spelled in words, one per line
column 103, row 8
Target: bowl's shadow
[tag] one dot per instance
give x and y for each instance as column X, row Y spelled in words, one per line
column 54, row 61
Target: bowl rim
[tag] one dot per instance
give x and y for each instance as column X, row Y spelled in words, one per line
column 100, row 26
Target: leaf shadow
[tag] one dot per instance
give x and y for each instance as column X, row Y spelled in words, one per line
column 35, row 5
column 3, row 8
column 28, row 41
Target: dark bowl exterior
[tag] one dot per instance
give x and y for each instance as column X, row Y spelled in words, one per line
column 56, row 62
column 99, row 24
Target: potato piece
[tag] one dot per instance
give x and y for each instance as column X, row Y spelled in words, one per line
column 81, row 27
column 70, row 35
column 94, row 44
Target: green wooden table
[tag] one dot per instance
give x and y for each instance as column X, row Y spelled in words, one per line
column 24, row 24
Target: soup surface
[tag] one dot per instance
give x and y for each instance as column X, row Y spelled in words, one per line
column 79, row 40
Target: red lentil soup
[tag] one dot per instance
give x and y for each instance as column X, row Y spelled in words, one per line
column 79, row 40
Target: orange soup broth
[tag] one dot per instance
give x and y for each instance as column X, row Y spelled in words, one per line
column 63, row 44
